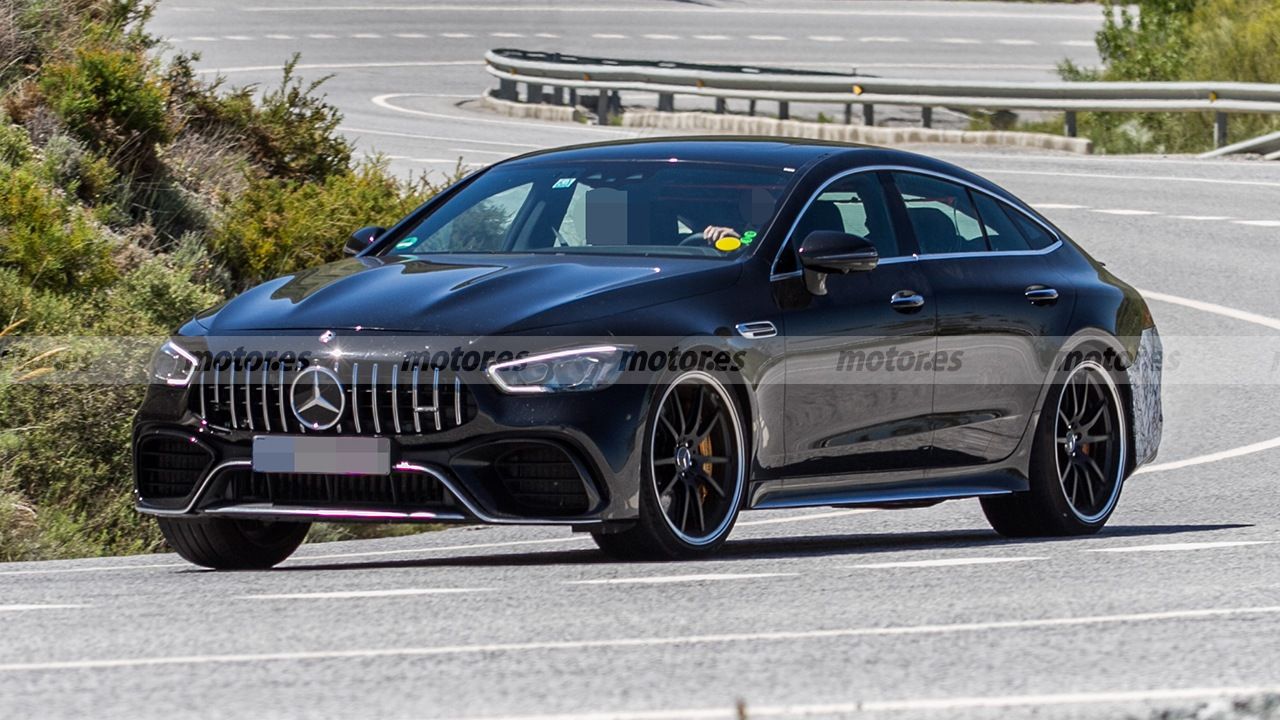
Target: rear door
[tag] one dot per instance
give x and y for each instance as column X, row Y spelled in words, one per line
column 1001, row 311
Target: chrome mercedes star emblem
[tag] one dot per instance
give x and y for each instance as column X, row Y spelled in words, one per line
column 317, row 398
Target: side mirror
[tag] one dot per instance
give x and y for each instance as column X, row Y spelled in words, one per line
column 362, row 239
column 827, row 251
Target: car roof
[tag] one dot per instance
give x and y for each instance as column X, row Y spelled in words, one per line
column 775, row 151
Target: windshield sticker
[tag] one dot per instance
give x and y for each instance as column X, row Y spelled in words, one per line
column 563, row 183
column 748, row 237
column 728, row 244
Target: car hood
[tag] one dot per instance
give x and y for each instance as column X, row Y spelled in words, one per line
column 460, row 295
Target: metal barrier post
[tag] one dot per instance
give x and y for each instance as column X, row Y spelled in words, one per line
column 1220, row 129
column 507, row 89
column 751, row 108
column 557, row 95
column 602, row 108
column 720, row 106
column 1069, row 123
column 868, row 114
column 666, row 102
column 784, row 110
column 533, row 93
column 848, row 113
column 926, row 116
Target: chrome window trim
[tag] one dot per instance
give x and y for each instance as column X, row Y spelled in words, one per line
column 1058, row 242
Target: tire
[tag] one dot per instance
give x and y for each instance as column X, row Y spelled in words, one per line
column 1078, row 461
column 693, row 474
column 223, row 544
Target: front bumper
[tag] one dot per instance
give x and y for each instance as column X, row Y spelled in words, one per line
column 568, row 459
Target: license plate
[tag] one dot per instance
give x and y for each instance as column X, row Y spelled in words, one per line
column 322, row 455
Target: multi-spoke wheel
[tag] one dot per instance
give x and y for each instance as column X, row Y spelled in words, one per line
column 695, row 464
column 1078, row 461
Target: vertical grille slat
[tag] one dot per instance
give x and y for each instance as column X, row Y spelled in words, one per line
column 237, row 398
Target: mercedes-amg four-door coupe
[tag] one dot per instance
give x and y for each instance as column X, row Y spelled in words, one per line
column 641, row 339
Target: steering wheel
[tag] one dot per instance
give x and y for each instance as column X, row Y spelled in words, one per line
column 693, row 239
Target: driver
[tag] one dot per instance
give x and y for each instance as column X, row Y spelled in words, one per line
column 755, row 207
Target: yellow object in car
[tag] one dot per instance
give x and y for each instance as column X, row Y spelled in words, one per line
column 728, row 244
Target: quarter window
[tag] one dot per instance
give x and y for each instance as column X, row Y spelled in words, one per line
column 1003, row 234
column 941, row 214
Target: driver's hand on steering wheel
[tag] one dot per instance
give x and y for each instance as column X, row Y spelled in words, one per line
column 712, row 233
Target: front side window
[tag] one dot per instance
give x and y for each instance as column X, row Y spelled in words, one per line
column 605, row 207
column 854, row 204
column 941, row 214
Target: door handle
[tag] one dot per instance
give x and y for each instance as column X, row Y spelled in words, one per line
column 906, row 301
column 1041, row 295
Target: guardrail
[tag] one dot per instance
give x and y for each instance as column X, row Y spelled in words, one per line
column 668, row 80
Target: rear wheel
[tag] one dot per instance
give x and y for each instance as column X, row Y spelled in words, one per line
column 1078, row 461
column 693, row 477
column 224, row 544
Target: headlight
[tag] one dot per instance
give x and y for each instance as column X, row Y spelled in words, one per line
column 173, row 366
column 590, row 368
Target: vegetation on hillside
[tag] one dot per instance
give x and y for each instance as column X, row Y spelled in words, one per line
column 134, row 193
column 1147, row 40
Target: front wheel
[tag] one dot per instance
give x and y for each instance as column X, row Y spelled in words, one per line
column 224, row 544
column 693, row 477
column 1078, row 461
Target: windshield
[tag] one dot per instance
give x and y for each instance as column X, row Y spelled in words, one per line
column 644, row 208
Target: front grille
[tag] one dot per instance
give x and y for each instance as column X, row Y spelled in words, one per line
column 399, row 489
column 542, row 478
column 169, row 467
column 382, row 398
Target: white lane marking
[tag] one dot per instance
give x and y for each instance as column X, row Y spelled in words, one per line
column 710, row 37
column 340, row 66
column 804, row 518
column 411, row 36
column 24, row 608
column 860, row 707
column 1200, row 218
column 278, row 36
column 960, row 41
column 94, row 568
column 456, row 35
column 384, row 101
column 1015, row 41
column 500, row 153
column 506, row 34
column 546, row 35
column 661, row 36
column 670, row 579
column 882, row 39
column 1181, row 547
column 1257, row 447
column 236, row 37
column 608, row 36
column 767, row 38
column 1078, row 43
column 947, row 562
column 1035, row 18
column 366, row 35
column 1058, row 206
column 433, row 161
column 201, row 38
column 643, row 642
column 356, row 594
column 1258, row 223
column 321, row 36
column 1110, row 176
column 1121, row 211
column 443, row 548
column 1214, row 308
column 416, row 136
column 826, row 38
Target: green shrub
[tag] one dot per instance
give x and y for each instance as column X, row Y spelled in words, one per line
column 279, row 226
column 48, row 240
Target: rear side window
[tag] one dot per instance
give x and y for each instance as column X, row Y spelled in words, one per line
column 1003, row 233
column 941, row 214
column 1037, row 237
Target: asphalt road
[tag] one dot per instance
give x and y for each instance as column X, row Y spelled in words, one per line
column 921, row 613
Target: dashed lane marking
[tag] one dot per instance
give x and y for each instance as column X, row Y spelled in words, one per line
column 960, row 41
column 672, row 579
column 1121, row 211
column 945, row 562
column 417, row 136
column 361, row 594
column 1175, row 616
column 1181, row 547
column 882, row 39
column 767, row 38
column 804, row 518
column 341, row 66
column 1258, row 223
column 26, row 608
column 1015, row 41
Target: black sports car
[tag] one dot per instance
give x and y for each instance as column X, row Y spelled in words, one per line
column 640, row 339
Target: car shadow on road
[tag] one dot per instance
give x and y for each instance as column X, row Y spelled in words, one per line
column 861, row 545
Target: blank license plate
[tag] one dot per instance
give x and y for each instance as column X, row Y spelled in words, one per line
column 322, row 455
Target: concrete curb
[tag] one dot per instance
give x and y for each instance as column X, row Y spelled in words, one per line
column 703, row 122
column 555, row 113
column 747, row 125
